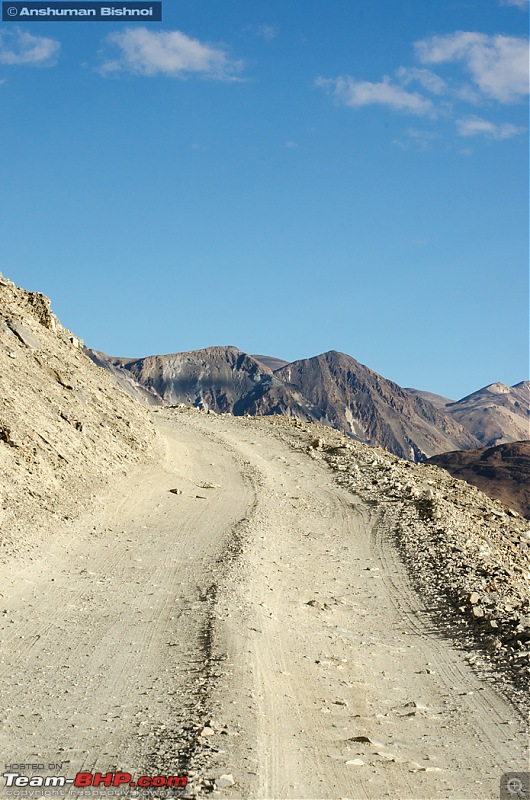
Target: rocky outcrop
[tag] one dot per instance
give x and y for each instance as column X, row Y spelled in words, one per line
column 469, row 555
column 64, row 426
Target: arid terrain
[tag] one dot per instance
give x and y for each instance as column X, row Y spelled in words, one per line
column 502, row 472
column 333, row 389
column 260, row 603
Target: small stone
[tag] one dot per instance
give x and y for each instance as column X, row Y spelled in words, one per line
column 366, row 740
column 8, row 437
column 474, row 597
column 176, row 491
column 207, row 731
column 355, row 762
column 224, row 781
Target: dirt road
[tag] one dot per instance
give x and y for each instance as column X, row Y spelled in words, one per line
column 256, row 624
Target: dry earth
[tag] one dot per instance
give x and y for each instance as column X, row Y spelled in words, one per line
column 65, row 429
column 259, row 629
column 502, row 472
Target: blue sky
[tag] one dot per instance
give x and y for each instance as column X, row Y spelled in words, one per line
column 288, row 177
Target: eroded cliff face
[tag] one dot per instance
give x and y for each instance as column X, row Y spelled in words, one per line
column 64, row 426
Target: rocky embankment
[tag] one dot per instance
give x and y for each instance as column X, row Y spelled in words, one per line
column 65, row 428
column 469, row 555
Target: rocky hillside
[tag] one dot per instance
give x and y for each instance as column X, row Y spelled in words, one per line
column 436, row 399
column 496, row 413
column 64, row 426
column 502, row 472
column 271, row 362
column 220, row 379
column 332, row 389
column 123, row 378
column 357, row 401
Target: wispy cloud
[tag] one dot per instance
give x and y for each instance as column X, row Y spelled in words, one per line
column 429, row 80
column 522, row 4
column 415, row 139
column 498, row 64
column 19, row 47
column 493, row 69
column 476, row 126
column 267, row 32
column 169, row 53
column 351, row 92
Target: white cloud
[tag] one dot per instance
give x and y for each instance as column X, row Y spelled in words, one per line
column 170, row 53
column 522, row 4
column 356, row 93
column 19, row 47
column 498, row 64
column 476, row 126
column 429, row 80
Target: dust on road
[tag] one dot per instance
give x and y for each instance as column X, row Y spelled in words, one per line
column 258, row 624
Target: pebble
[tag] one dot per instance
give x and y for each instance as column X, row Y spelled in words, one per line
column 224, row 781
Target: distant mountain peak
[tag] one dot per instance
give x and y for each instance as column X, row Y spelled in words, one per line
column 334, row 389
column 497, row 388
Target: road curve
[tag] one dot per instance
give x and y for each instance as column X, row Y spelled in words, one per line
column 257, row 623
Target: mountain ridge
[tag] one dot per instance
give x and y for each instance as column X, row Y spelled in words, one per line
column 331, row 388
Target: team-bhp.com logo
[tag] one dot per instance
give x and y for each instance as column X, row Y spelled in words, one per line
column 13, row 780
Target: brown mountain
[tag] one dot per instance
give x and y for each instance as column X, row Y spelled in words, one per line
column 349, row 396
column 436, row 399
column 502, row 472
column 220, row 379
column 332, row 388
column 123, row 378
column 496, row 413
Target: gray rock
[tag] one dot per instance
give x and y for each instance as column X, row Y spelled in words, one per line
column 22, row 332
column 224, row 781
